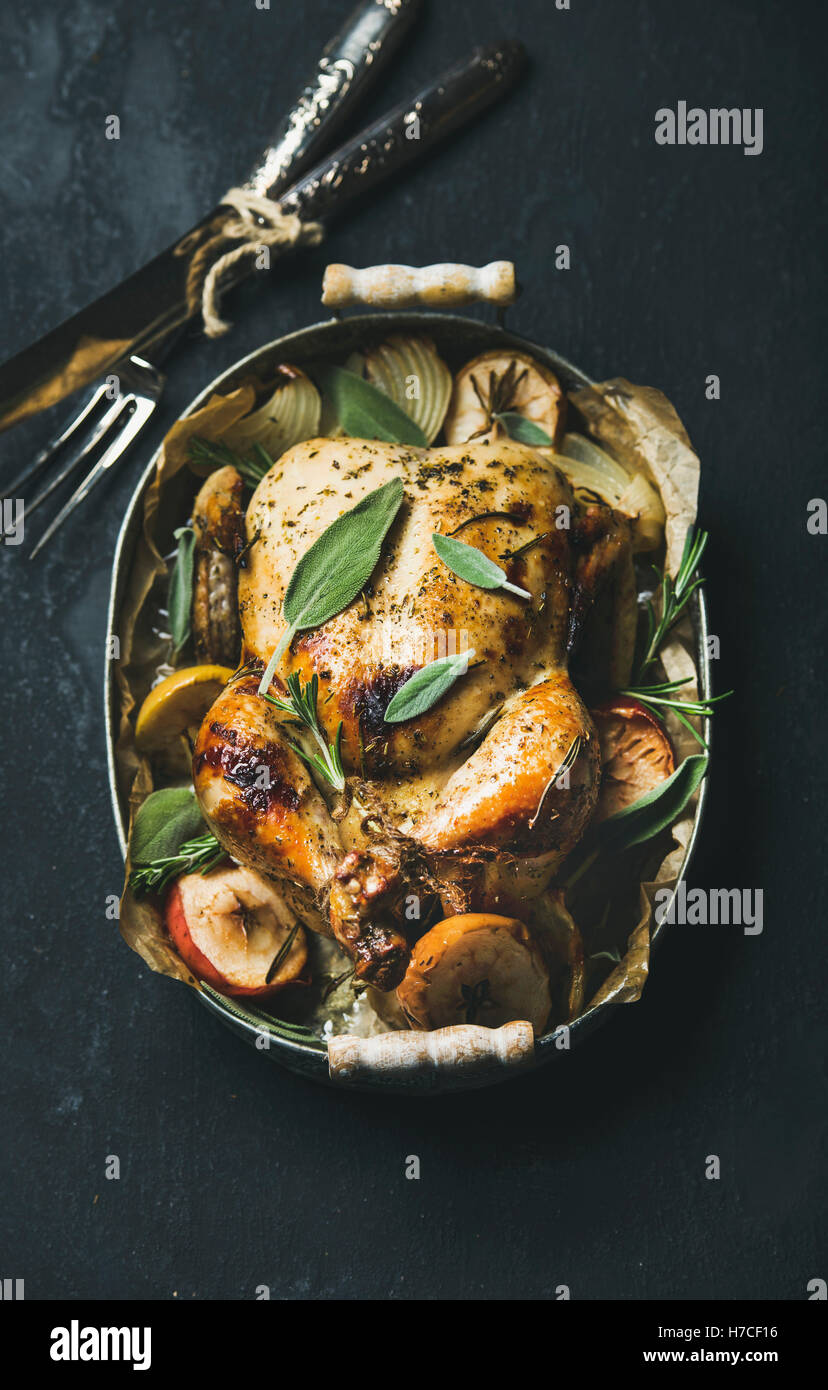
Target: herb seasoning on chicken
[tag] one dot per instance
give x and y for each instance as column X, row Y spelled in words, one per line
column 464, row 803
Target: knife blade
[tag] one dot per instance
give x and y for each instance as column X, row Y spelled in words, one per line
column 143, row 308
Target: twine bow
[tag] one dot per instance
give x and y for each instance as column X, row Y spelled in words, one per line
column 259, row 222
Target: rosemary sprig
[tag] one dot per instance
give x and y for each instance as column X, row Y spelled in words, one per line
column 498, row 394
column 301, row 702
column 212, row 453
column 282, row 953
column 657, row 697
column 198, row 855
column 675, row 596
column 250, row 668
column 524, row 549
column 334, row 983
column 487, row 516
column 267, row 1025
column 569, row 760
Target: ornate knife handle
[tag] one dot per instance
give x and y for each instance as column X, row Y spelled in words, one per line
column 407, row 132
column 352, row 60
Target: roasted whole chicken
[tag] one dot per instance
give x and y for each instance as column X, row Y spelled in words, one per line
column 469, row 807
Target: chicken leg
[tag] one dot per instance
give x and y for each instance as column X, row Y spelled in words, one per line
column 258, row 798
column 530, row 787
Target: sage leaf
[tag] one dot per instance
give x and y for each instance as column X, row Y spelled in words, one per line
column 163, row 823
column 426, row 687
column 469, row 563
column 336, row 567
column 341, row 561
column 656, row 810
column 653, row 812
column 366, row 413
column 523, row 430
column 180, row 591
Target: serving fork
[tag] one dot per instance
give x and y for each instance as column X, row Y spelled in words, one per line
column 131, row 396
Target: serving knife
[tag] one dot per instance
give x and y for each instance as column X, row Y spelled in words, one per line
column 113, row 327
column 142, row 313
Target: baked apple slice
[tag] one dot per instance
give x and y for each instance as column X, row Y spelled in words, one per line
column 636, row 754
column 230, row 927
column 476, row 968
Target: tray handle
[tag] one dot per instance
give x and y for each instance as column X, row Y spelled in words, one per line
column 405, row 286
column 412, row 1058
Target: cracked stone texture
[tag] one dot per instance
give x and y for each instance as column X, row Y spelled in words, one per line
column 685, row 262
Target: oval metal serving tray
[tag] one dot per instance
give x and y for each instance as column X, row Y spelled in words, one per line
column 457, row 339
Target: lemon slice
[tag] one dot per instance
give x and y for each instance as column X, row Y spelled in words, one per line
column 176, row 704
column 500, row 382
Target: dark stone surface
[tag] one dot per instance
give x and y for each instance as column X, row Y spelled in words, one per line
column 685, row 262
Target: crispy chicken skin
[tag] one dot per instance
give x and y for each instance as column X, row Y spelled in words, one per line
column 253, row 785
column 260, row 798
column 464, row 800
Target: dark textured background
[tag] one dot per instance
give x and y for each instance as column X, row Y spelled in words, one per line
column 685, row 262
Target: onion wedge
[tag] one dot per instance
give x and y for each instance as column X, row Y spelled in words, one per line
column 289, row 416
column 593, row 473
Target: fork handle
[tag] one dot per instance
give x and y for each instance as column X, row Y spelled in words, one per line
column 350, row 63
column 408, row 132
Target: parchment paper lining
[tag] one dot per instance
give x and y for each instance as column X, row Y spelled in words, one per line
column 637, row 425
